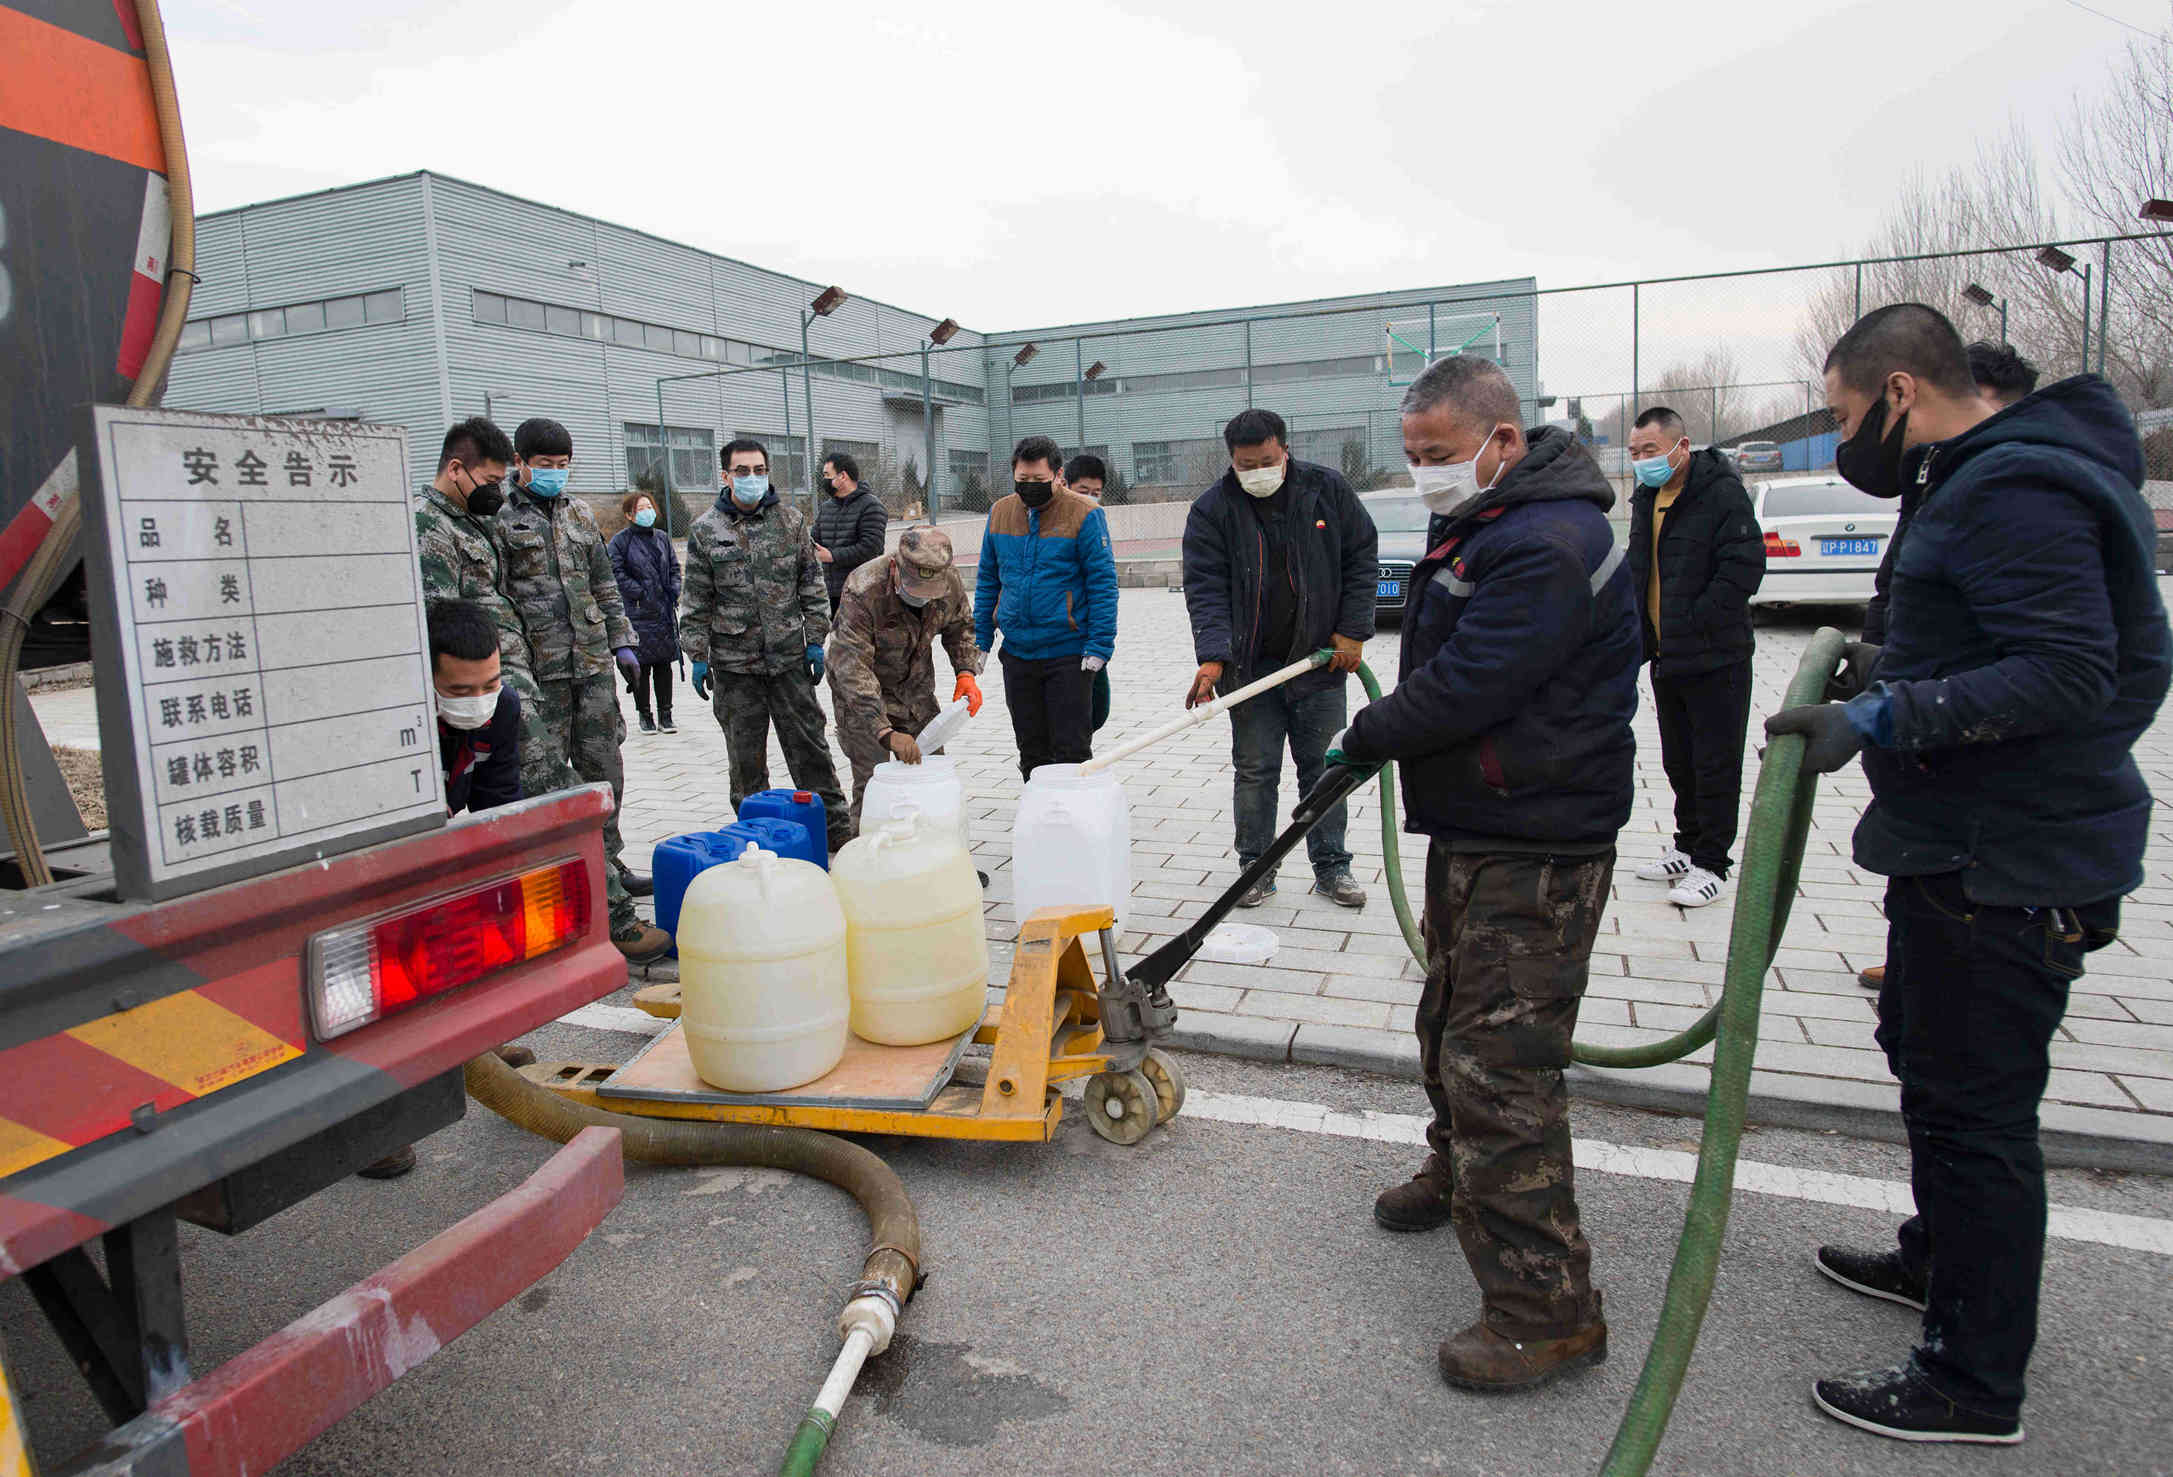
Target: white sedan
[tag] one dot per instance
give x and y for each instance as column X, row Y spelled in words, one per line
column 1824, row 541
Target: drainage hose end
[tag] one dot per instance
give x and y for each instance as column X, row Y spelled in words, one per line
column 807, row 1444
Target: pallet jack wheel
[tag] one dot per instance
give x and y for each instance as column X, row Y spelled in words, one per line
column 1122, row 1106
column 1169, row 1083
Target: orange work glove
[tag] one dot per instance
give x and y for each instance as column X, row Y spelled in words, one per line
column 970, row 690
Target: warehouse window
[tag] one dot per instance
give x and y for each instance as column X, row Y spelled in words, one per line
column 563, row 321
column 295, row 320
column 1177, row 463
column 788, row 458
column 692, row 451
column 866, row 453
column 521, row 313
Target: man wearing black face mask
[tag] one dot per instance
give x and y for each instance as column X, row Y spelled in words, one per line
column 2026, row 652
column 1048, row 580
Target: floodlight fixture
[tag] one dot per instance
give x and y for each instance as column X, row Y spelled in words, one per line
column 943, row 332
column 2058, row 260
column 1980, row 295
column 2160, row 211
column 831, row 300
column 1025, row 355
column 1096, row 370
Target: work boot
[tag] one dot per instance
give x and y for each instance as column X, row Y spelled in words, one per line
column 648, row 724
column 514, row 1056
column 1340, row 888
column 1901, row 1403
column 1420, row 1203
column 1257, row 894
column 1873, row 978
column 1493, row 1363
column 1878, row 1274
column 391, row 1167
column 637, row 884
column 642, row 943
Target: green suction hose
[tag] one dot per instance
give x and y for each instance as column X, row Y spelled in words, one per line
column 1780, row 819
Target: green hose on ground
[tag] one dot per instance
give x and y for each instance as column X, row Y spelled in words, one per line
column 1780, row 820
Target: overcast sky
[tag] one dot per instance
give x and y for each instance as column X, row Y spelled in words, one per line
column 1016, row 165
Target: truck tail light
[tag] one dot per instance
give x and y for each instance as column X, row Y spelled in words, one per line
column 381, row 966
column 1782, row 548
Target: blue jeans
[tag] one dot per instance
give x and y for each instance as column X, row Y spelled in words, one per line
column 1258, row 731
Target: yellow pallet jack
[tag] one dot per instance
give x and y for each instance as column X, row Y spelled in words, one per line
column 1057, row 1024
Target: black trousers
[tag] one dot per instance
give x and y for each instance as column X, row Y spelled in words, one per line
column 659, row 676
column 1701, row 747
column 1052, row 710
column 1972, row 996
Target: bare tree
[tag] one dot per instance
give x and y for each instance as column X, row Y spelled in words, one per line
column 1703, row 391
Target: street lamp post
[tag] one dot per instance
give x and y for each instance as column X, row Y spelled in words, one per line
column 2058, row 262
column 828, row 302
column 1092, row 373
column 489, row 396
column 1982, row 297
column 938, row 336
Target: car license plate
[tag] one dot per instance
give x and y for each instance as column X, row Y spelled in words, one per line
column 1848, row 547
column 1389, row 590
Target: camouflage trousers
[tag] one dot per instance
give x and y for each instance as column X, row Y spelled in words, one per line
column 571, row 730
column 746, row 704
column 862, row 750
column 1508, row 943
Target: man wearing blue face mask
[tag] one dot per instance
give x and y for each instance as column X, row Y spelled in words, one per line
column 558, row 573
column 754, row 613
column 1696, row 557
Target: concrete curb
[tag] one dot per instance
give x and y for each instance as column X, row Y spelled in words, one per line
column 2073, row 1138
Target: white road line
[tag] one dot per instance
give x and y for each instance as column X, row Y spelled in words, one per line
column 2106, row 1228
column 622, row 1018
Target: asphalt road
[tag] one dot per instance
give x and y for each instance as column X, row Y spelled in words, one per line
column 1216, row 1300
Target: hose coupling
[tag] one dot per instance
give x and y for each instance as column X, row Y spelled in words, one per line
column 873, row 1309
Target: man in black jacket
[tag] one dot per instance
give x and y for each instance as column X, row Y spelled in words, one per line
column 2026, row 653
column 1511, row 721
column 1696, row 558
column 479, row 717
column 1281, row 560
column 849, row 526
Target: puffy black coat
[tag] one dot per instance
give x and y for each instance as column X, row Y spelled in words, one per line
column 1339, row 569
column 1712, row 560
column 2026, row 652
column 1511, row 715
column 852, row 529
column 648, row 575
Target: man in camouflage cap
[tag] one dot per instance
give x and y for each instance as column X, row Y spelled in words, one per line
column 559, row 576
column 460, row 546
column 882, row 651
column 753, row 614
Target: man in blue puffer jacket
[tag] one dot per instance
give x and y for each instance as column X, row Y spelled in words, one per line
column 1048, row 581
column 2026, row 651
column 1511, row 720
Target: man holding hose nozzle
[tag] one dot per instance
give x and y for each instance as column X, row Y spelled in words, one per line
column 2026, row 651
column 1511, row 719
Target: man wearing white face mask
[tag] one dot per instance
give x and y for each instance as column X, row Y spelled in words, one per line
column 1511, row 726
column 479, row 718
column 1281, row 560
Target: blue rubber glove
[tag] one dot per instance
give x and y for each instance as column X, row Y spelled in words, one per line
column 814, row 661
column 629, row 663
column 701, row 679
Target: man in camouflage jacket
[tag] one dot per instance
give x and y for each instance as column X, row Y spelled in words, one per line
column 753, row 615
column 891, row 610
column 458, row 544
column 558, row 575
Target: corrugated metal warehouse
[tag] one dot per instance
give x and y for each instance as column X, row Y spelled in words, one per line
column 421, row 299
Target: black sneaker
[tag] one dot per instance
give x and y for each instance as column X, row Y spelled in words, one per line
column 1901, row 1403
column 648, row 724
column 1878, row 1274
column 1258, row 893
column 664, row 724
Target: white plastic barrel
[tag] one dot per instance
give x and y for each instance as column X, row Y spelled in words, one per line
column 930, row 787
column 762, row 974
column 1071, row 843
column 915, row 945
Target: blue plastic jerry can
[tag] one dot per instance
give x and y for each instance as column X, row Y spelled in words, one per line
column 789, row 838
column 802, row 806
column 678, row 860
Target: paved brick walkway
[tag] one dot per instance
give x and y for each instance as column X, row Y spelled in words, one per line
column 1342, row 986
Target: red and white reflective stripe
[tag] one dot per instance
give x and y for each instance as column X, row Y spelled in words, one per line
column 147, row 287
column 25, row 531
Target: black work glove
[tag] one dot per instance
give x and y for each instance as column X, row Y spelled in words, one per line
column 1857, row 660
column 1833, row 740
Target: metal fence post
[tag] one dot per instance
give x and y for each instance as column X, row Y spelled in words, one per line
column 665, row 441
column 2105, row 303
column 807, row 387
column 1634, row 309
column 1859, row 289
column 1078, row 380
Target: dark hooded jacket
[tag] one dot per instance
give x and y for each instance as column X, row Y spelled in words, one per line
column 647, row 570
column 2026, row 651
column 852, row 529
column 1511, row 715
column 1712, row 560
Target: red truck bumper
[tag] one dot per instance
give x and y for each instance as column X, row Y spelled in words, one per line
column 267, row 1403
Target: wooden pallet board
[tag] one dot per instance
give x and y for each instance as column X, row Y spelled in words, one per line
column 889, row 1078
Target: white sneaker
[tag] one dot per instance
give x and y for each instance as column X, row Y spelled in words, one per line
column 1697, row 888
column 1670, row 865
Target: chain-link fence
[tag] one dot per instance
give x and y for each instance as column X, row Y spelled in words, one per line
column 1738, row 356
